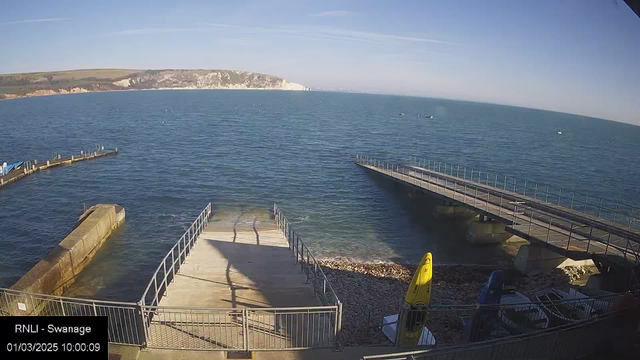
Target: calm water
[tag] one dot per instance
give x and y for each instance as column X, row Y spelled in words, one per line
column 245, row 150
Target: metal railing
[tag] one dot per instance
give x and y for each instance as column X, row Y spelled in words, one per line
column 526, row 221
column 455, row 324
column 125, row 319
column 308, row 263
column 311, row 268
column 290, row 328
column 170, row 264
column 569, row 341
column 601, row 208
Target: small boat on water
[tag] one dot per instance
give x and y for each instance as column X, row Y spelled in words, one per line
column 519, row 315
column 559, row 132
column 401, row 114
column 428, row 116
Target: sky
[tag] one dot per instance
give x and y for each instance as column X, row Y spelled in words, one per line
column 575, row 56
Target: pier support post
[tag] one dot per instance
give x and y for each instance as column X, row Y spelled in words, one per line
column 486, row 231
column 47, row 163
column 533, row 256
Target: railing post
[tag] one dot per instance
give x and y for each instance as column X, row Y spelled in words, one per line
column 599, row 207
column 549, row 228
column 606, row 249
column 475, row 197
column 62, row 306
column 95, row 309
column 464, row 173
column 535, row 191
column 245, row 329
column 155, row 284
column 615, row 212
column 530, row 221
column 559, row 195
column 173, row 266
column 570, row 232
column 500, row 209
column 145, row 329
column 586, row 201
column 572, row 195
column 338, row 326
column 525, row 188
column 495, row 183
column 464, row 196
column 546, row 199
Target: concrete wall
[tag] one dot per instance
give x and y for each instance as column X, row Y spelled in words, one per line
column 487, row 232
column 538, row 257
column 457, row 212
column 57, row 271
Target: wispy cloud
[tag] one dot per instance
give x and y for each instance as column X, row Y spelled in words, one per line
column 334, row 13
column 35, row 21
column 333, row 33
column 153, row 31
column 382, row 37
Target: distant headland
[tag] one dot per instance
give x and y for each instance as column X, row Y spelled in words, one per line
column 92, row 80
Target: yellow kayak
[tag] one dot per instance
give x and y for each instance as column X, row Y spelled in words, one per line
column 416, row 302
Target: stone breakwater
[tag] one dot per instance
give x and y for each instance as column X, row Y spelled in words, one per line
column 362, row 286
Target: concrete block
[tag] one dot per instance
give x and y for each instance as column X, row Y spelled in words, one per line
column 538, row 257
column 57, row 271
column 453, row 212
column 487, row 232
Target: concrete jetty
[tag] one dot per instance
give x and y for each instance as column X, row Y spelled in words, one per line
column 241, row 287
column 31, row 167
column 247, row 265
column 57, row 271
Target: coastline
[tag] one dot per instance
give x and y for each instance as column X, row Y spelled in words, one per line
column 370, row 291
column 124, row 90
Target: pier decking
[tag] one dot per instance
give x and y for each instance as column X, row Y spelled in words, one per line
column 29, row 168
column 245, row 266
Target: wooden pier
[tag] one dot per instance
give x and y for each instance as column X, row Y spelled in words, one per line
column 31, row 167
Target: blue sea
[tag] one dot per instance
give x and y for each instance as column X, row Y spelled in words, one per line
column 245, row 150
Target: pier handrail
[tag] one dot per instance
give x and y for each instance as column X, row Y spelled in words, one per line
column 177, row 255
column 313, row 271
column 617, row 241
column 310, row 266
column 607, row 209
